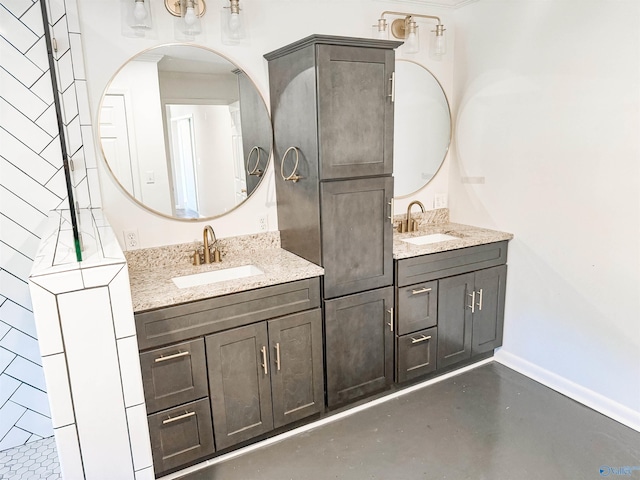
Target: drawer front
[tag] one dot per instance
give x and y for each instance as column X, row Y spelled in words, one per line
column 181, row 435
column 173, row 324
column 454, row 262
column 417, row 307
column 174, row 375
column 417, row 354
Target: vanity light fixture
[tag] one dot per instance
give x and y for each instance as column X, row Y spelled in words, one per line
column 136, row 18
column 233, row 28
column 188, row 14
column 406, row 28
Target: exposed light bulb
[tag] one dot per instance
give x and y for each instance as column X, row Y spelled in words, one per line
column 411, row 43
column 190, row 16
column 139, row 11
column 234, row 24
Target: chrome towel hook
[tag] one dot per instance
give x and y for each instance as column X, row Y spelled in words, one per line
column 294, row 177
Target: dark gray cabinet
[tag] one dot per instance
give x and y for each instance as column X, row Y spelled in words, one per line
column 332, row 109
column 265, row 375
column 460, row 295
column 359, row 344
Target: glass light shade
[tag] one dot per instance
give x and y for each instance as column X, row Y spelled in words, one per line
column 380, row 30
column 232, row 27
column 136, row 18
column 439, row 43
column 412, row 39
column 188, row 25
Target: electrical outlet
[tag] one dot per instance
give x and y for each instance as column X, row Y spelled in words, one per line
column 263, row 223
column 440, row 200
column 130, row 239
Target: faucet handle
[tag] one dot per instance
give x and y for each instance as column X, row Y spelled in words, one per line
column 195, row 257
column 216, row 255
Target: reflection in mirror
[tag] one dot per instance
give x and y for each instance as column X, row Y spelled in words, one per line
column 422, row 127
column 185, row 132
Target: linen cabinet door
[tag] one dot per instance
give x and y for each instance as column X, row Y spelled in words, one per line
column 359, row 344
column 357, row 235
column 455, row 314
column 239, row 386
column 355, row 111
column 488, row 319
column 297, row 380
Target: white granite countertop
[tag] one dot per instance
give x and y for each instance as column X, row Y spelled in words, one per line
column 151, row 270
column 469, row 236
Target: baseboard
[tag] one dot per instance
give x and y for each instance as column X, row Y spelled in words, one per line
column 589, row 398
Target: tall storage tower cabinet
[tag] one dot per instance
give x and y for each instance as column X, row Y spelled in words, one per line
column 332, row 110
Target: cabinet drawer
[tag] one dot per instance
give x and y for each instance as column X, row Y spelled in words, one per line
column 173, row 324
column 174, row 375
column 181, row 435
column 454, row 262
column 417, row 307
column 417, row 354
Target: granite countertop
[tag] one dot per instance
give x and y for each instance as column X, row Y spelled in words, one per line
column 151, row 270
column 469, row 236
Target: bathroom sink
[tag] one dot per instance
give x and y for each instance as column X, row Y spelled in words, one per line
column 431, row 238
column 216, row 276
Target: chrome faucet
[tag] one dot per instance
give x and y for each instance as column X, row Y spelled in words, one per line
column 410, row 225
column 206, row 234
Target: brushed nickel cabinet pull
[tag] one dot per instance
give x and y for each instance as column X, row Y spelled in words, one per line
column 392, row 95
column 179, row 417
column 390, row 217
column 171, row 357
column 422, row 290
column 480, row 301
column 390, row 312
column 473, row 301
column 423, row 338
column 278, row 356
column 264, row 359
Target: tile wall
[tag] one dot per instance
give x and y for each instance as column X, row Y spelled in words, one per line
column 32, row 183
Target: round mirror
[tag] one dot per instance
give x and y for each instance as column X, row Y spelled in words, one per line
column 185, row 132
column 422, row 127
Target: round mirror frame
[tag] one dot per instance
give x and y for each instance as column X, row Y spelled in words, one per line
column 115, row 178
column 446, row 152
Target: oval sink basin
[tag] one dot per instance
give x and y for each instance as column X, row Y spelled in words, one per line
column 432, row 238
column 216, row 276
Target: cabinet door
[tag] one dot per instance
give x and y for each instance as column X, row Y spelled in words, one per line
column 416, row 354
column 454, row 319
column 355, row 111
column 239, row 386
column 357, row 235
column 359, row 344
column 180, row 435
column 488, row 319
column 297, row 381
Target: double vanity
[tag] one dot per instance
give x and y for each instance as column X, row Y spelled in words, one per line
column 233, row 361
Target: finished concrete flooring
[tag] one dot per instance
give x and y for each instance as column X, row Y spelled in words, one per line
column 488, row 423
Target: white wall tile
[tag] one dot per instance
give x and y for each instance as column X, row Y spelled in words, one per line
column 55, row 10
column 58, row 184
column 35, row 400
column 38, row 54
column 122, row 306
column 16, row 32
column 89, row 150
column 32, row 18
column 73, row 136
column 68, row 448
column 20, row 97
column 8, row 385
column 22, row 128
column 10, row 413
column 53, row 153
column 145, row 474
column 60, row 282
column 43, row 88
column 81, row 193
column 20, row 211
column 83, row 102
column 21, row 344
column 73, row 20
column 14, row 262
column 17, row 64
column 48, row 122
column 55, row 369
column 17, row 7
column 61, row 35
column 4, row 329
column 21, row 155
column 64, row 71
column 76, row 54
column 100, row 276
column 6, row 357
column 36, row 423
column 18, row 317
column 96, row 386
column 15, row 289
column 129, row 358
column 94, row 187
column 69, row 103
column 15, row 437
column 139, row 435
column 27, row 372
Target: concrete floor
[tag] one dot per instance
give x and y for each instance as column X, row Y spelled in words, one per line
column 488, row 423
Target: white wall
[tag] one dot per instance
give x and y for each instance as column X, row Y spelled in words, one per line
column 271, row 24
column 548, row 113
